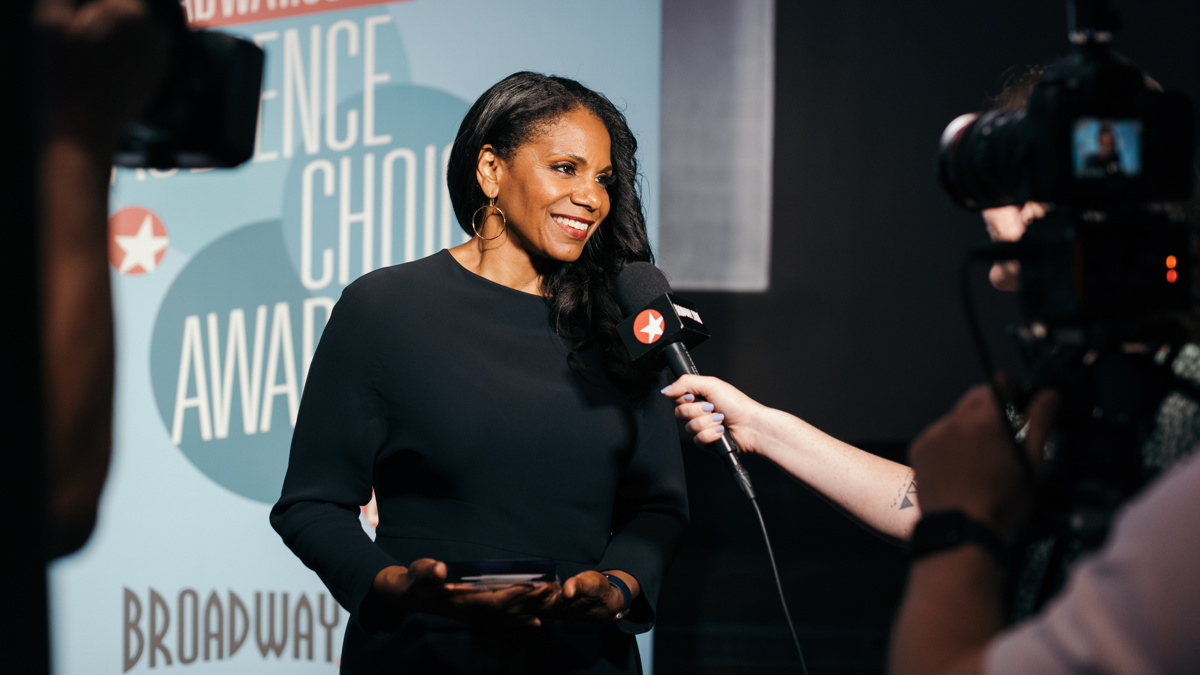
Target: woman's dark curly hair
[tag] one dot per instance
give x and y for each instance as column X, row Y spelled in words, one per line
column 581, row 294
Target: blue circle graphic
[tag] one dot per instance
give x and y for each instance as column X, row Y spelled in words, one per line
column 234, row 333
column 346, row 213
column 227, row 356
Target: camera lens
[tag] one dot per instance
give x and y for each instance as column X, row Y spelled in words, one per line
column 978, row 159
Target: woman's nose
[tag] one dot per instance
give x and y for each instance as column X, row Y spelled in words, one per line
column 588, row 195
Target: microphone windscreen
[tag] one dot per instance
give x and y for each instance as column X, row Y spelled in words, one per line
column 638, row 284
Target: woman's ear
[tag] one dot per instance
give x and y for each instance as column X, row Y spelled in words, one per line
column 488, row 171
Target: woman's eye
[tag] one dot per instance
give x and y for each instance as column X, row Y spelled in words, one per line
column 566, row 168
column 605, row 179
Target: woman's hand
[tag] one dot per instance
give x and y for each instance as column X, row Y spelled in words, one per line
column 422, row 587
column 712, row 406
column 589, row 595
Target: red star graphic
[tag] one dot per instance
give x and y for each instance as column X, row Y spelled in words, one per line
column 137, row 240
column 648, row 326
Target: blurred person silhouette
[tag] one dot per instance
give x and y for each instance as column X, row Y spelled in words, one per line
column 1127, row 608
column 96, row 65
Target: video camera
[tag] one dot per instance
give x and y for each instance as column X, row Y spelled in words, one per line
column 205, row 114
column 1107, row 278
column 1107, row 148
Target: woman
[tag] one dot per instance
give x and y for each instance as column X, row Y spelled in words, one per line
column 484, row 395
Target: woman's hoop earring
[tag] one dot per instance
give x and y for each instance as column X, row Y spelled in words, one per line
column 490, row 206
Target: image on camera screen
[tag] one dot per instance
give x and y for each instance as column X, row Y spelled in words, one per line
column 1103, row 148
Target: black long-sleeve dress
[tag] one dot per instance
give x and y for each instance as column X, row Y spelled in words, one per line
column 453, row 397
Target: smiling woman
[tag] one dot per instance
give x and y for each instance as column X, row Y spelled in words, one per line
column 554, row 194
column 529, row 120
column 483, row 393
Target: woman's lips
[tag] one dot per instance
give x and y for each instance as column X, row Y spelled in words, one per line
column 573, row 227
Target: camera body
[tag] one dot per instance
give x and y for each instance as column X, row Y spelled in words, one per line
column 205, row 115
column 1122, row 267
column 1107, row 278
column 1095, row 133
column 1111, row 155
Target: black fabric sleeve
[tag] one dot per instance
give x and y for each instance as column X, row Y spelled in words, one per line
column 338, row 432
column 651, row 511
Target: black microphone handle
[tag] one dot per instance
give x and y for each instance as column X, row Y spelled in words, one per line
column 680, row 362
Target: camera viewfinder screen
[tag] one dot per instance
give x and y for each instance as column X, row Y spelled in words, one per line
column 1104, row 148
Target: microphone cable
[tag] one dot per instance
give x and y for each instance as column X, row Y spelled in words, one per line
column 743, row 478
column 639, row 286
column 779, row 585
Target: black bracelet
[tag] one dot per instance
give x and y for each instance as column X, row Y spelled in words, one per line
column 626, row 594
column 947, row 529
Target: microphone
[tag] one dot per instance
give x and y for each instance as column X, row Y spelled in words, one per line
column 660, row 324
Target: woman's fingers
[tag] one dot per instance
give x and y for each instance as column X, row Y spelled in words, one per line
column 710, row 435
column 690, row 411
column 704, row 423
column 690, row 387
column 426, row 571
column 589, row 594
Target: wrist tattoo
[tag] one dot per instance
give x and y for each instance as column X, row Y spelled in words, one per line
column 907, row 495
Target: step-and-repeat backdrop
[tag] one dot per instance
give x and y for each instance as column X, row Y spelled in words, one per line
column 223, row 281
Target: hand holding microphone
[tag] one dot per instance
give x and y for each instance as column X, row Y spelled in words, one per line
column 878, row 493
column 659, row 324
column 713, row 407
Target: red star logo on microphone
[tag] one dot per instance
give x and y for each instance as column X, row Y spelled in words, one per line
column 137, row 240
column 648, row 326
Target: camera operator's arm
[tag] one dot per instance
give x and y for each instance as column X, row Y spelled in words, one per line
column 952, row 606
column 97, row 65
column 878, row 493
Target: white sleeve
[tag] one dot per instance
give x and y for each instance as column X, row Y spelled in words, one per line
column 1134, row 606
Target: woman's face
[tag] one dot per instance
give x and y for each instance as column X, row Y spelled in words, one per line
column 1106, row 143
column 553, row 191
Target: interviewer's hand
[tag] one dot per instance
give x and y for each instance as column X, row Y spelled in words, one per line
column 422, row 587
column 966, row 460
column 726, row 409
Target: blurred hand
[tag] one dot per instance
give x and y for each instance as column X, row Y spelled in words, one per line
column 1008, row 223
column 724, row 408
column 422, row 587
column 966, row 461
column 100, row 63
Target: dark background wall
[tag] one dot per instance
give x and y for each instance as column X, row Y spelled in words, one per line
column 861, row 332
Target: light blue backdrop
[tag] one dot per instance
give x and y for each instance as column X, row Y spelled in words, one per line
column 213, row 342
